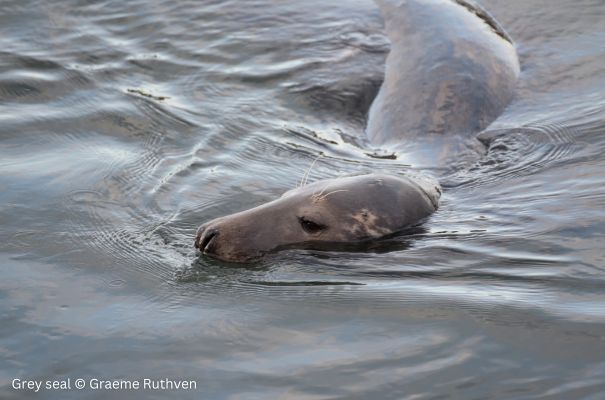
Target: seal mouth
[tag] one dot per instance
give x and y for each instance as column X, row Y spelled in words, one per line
column 205, row 240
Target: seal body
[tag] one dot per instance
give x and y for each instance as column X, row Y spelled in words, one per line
column 450, row 72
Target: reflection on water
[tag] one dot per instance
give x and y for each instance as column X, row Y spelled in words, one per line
column 124, row 125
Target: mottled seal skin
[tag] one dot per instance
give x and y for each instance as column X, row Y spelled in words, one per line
column 450, row 72
column 341, row 210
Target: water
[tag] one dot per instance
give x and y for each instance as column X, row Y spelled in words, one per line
column 124, row 125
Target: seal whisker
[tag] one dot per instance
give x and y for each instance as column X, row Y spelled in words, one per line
column 332, row 192
column 305, row 177
column 315, row 196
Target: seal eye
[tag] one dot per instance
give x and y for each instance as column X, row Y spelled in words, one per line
column 310, row 226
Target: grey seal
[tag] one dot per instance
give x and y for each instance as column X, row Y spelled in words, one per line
column 450, row 72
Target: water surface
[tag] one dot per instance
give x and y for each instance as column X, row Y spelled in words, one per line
column 125, row 125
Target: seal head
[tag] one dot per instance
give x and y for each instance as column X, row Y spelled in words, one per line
column 342, row 210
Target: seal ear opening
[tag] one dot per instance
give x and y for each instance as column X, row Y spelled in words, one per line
column 429, row 187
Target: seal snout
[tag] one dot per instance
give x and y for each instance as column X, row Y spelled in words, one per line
column 205, row 237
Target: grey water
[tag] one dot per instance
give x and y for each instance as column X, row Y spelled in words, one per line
column 126, row 124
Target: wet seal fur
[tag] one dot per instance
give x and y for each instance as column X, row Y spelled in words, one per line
column 451, row 71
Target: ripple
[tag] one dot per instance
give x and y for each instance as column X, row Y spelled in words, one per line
column 25, row 79
column 516, row 152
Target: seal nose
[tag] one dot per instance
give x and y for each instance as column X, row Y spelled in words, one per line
column 205, row 238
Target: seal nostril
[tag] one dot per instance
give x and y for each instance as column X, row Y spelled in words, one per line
column 198, row 236
column 203, row 241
